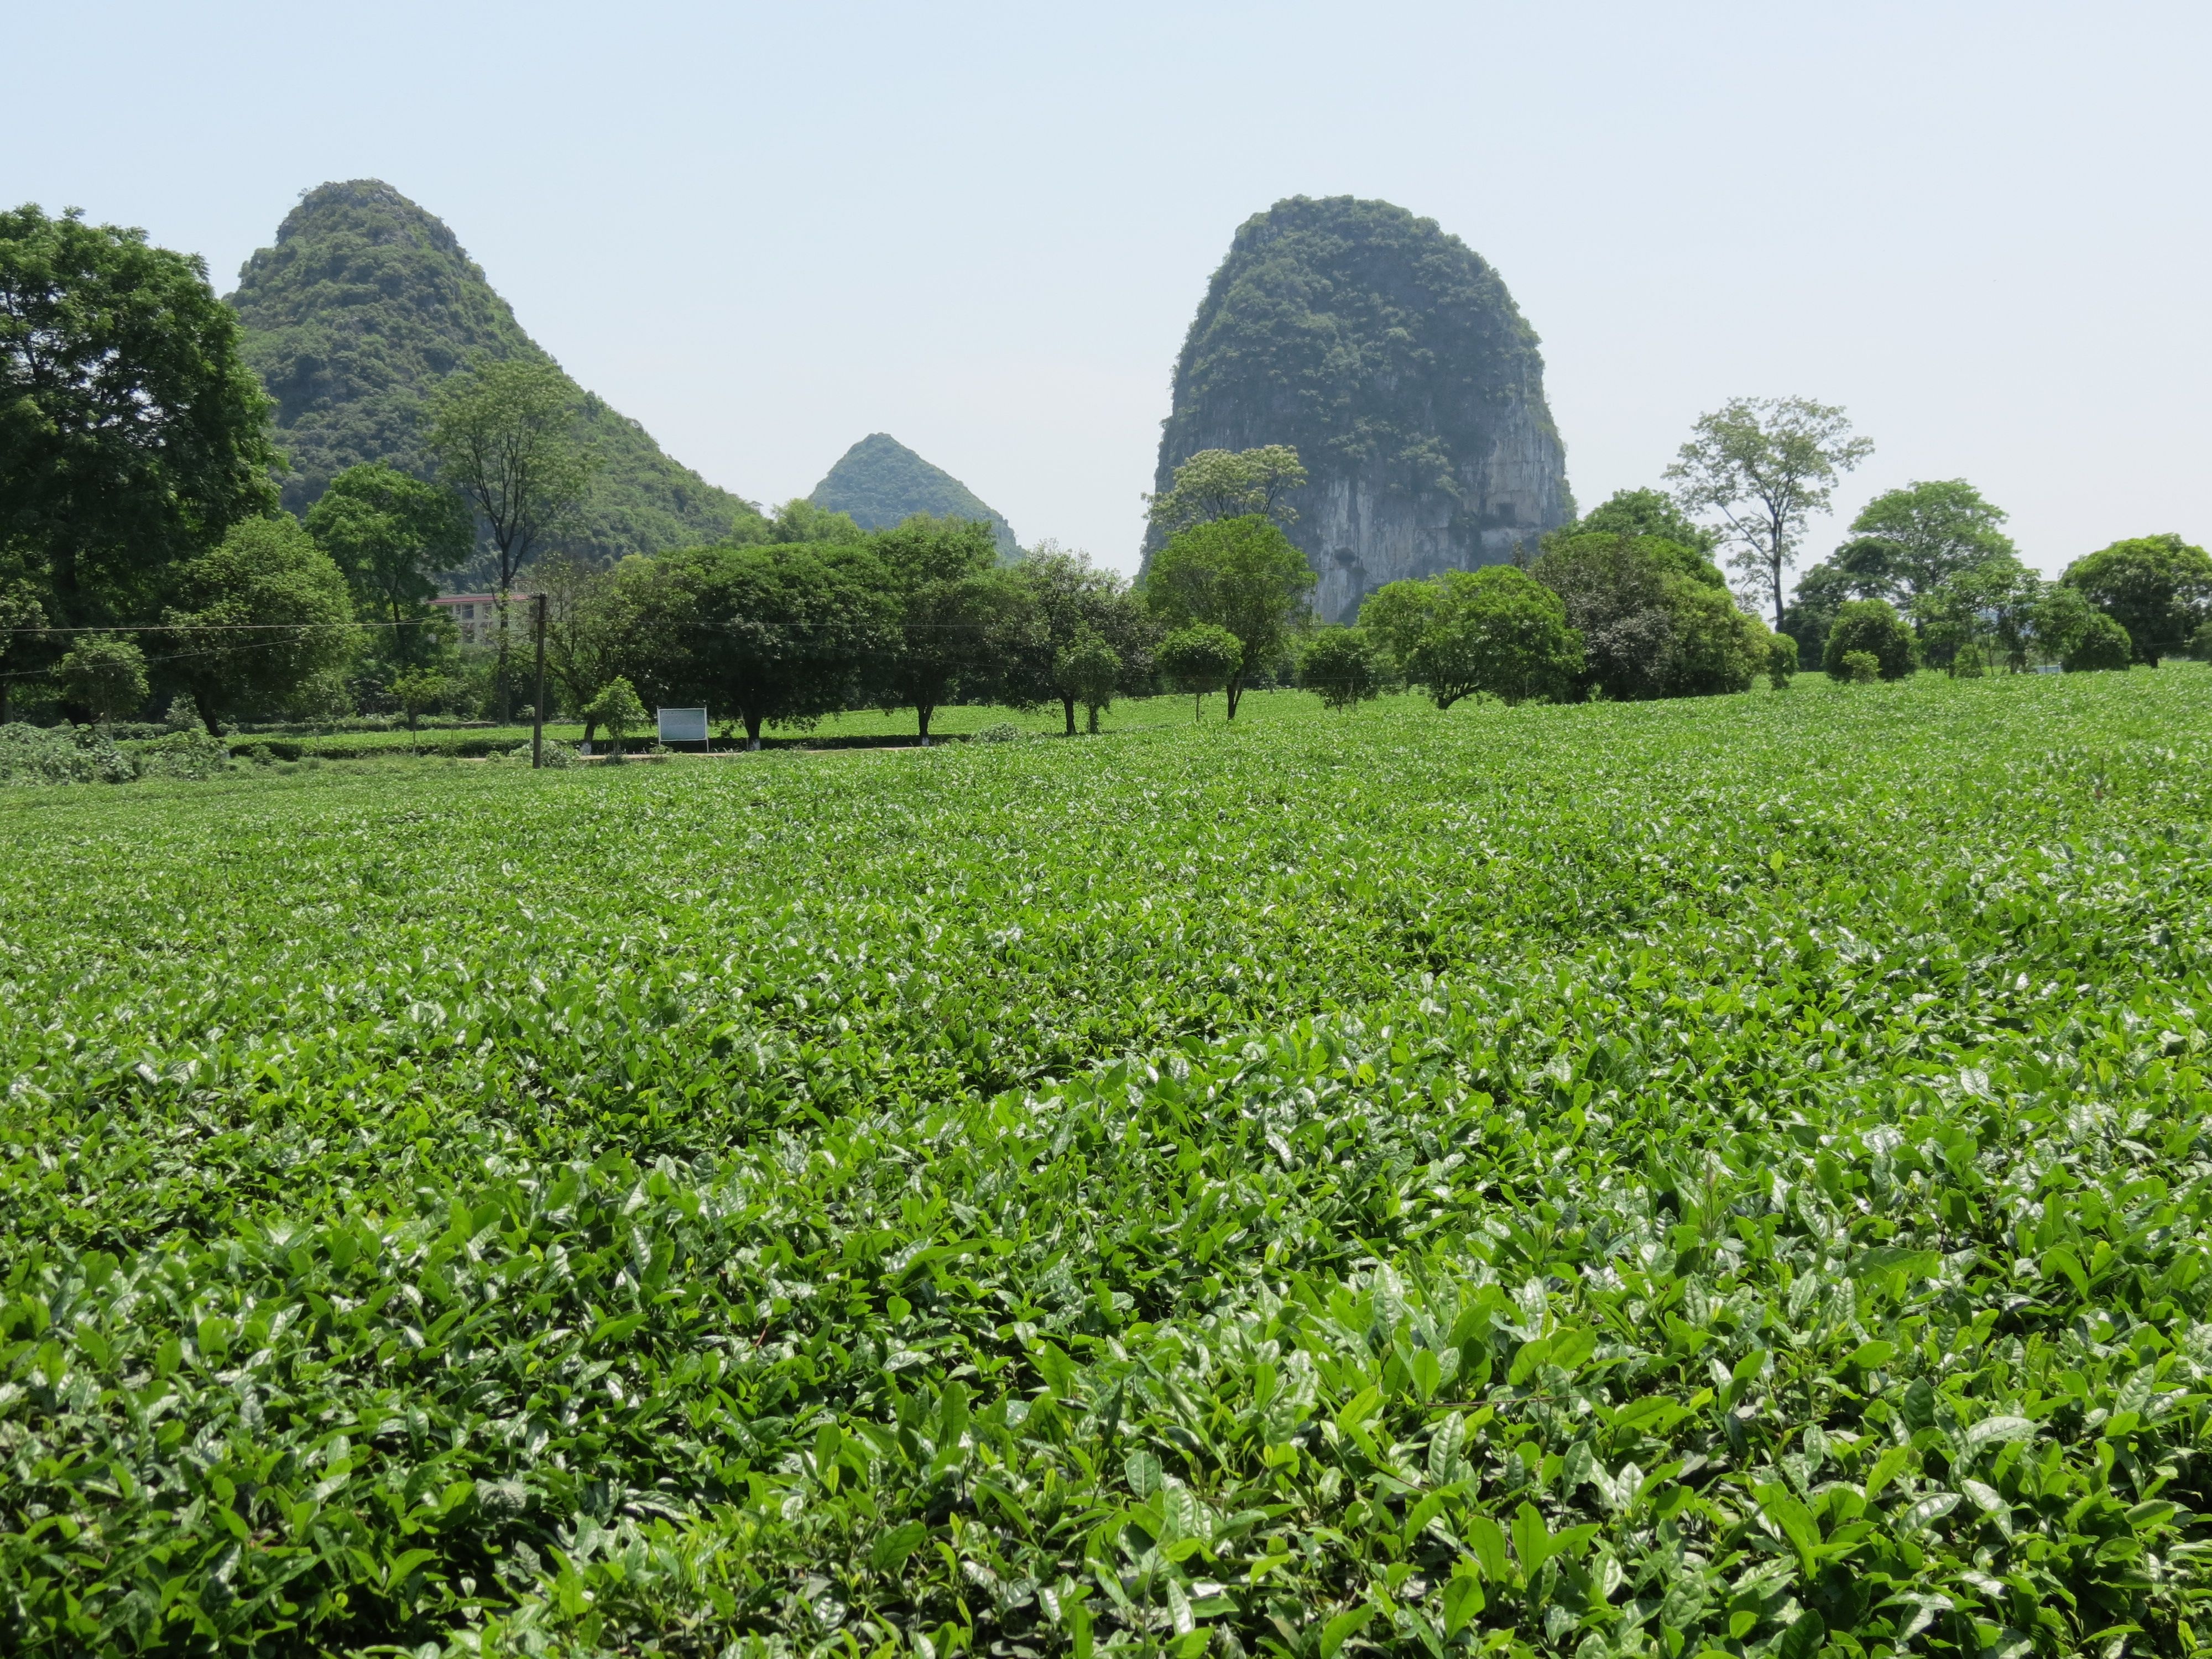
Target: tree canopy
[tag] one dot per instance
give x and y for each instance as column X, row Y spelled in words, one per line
column 1497, row 630
column 963, row 628
column 1641, row 512
column 1656, row 619
column 132, row 435
column 1222, row 483
column 256, row 619
column 2156, row 587
column 389, row 534
column 1242, row 575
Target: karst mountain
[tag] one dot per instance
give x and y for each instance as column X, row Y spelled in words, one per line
column 880, row 481
column 1391, row 356
column 365, row 303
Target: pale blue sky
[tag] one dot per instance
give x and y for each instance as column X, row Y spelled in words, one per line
column 767, row 231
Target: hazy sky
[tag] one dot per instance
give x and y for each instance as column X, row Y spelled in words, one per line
column 766, row 231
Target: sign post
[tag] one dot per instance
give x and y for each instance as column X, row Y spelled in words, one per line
column 684, row 726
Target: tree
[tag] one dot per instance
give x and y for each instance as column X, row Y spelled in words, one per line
column 590, row 624
column 132, row 435
column 1912, row 540
column 387, row 533
column 1871, row 626
column 963, row 627
column 1766, row 465
column 1087, row 670
column 798, row 520
column 1985, row 606
column 2157, row 587
column 1222, row 483
column 22, row 616
column 1074, row 600
column 617, row 708
column 417, row 691
column 1641, row 512
column 1497, row 630
column 783, row 633
column 2101, row 646
column 1812, row 610
column 1199, row 658
column 256, row 619
column 104, row 675
column 1241, row 574
column 505, row 437
column 1781, row 661
column 1342, row 665
column 1656, row 619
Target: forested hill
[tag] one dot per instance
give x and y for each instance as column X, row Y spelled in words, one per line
column 365, row 303
column 879, row 482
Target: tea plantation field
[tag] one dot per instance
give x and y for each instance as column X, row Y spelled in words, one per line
column 1717, row 1178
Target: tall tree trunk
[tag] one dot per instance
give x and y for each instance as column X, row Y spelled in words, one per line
column 1235, row 690
column 1068, row 703
column 752, row 731
column 207, row 713
column 924, row 710
column 1094, row 719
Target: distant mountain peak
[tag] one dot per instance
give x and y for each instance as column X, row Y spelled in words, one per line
column 879, row 482
column 366, row 301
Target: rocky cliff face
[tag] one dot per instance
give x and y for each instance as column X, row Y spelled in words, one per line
column 1393, row 358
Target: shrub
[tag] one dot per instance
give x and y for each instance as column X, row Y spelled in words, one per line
column 1970, row 662
column 1342, row 666
column 1861, row 667
column 104, row 675
column 1872, row 627
column 1781, row 660
column 48, row 754
column 1004, row 731
column 2102, row 644
column 188, row 753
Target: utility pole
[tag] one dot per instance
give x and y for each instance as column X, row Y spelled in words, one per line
column 538, row 700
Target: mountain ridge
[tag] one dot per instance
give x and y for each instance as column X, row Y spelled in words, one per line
column 880, row 481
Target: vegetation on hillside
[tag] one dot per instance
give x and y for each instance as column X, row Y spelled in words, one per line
column 365, row 305
column 880, row 483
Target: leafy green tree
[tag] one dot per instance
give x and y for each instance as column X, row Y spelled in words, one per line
column 782, row 633
column 1911, row 541
column 2100, row 646
column 1497, row 630
column 1223, row 484
column 1088, row 671
column 1873, row 627
column 800, row 521
column 1656, row 618
column 388, row 534
column 104, row 675
column 1199, row 658
column 617, row 708
column 1242, row 574
column 1641, row 513
column 22, row 614
column 1858, row 667
column 1781, row 661
column 2157, row 587
column 1821, row 590
column 1075, row 599
column 1766, row 465
column 964, row 627
column 257, row 618
column 1342, row 665
column 504, row 437
column 132, row 435
column 417, row 691
column 1985, row 607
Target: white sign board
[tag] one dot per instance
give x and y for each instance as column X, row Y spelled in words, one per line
column 684, row 725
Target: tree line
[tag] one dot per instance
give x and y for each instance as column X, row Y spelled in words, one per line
column 143, row 557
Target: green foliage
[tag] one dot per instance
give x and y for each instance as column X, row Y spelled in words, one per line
column 1656, row 617
column 1912, row 540
column 1577, row 1176
column 1221, row 483
column 1781, row 661
column 1343, row 665
column 1365, row 340
column 418, row 692
column 617, row 708
column 800, row 520
column 39, row 754
column 880, row 483
column 389, row 535
column 105, row 675
column 257, row 619
column 1496, row 631
column 2157, row 587
column 1643, row 513
column 1860, row 668
column 1242, row 574
column 1087, row 670
column 131, row 433
column 1869, row 627
column 2100, row 645
column 1199, row 658
column 365, row 304
column 1765, row 465
column 964, row 629
column 1979, row 609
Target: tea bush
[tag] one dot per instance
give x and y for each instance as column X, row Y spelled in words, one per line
column 1720, row 1177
